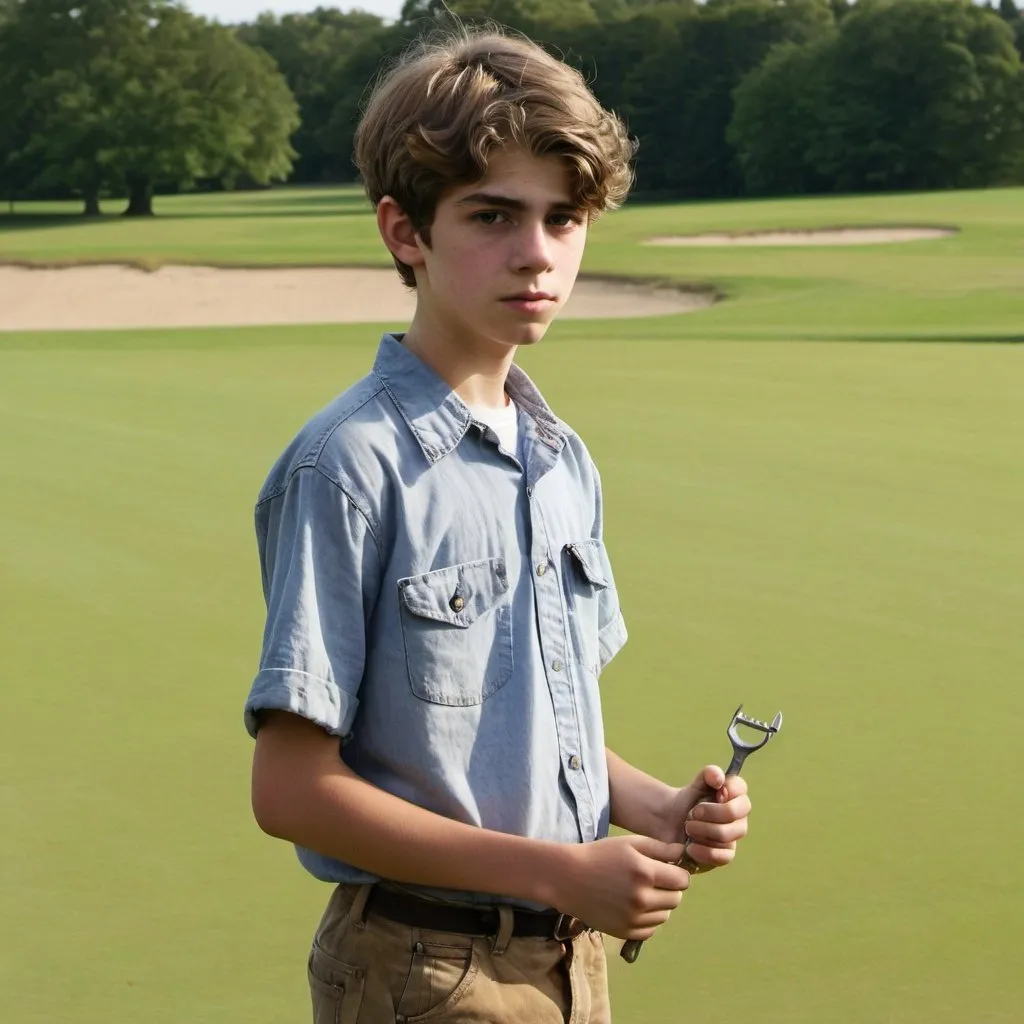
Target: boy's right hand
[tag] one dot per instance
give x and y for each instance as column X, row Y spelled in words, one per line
column 625, row 886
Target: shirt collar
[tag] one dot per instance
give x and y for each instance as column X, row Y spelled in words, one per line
column 437, row 417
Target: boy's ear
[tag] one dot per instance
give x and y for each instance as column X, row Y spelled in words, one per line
column 398, row 233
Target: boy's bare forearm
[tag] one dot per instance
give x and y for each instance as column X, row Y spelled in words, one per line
column 638, row 800
column 303, row 793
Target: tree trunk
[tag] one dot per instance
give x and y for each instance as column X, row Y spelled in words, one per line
column 92, row 202
column 140, row 198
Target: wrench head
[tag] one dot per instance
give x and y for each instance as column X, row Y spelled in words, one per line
column 767, row 730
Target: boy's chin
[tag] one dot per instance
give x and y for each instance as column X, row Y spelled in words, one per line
column 529, row 334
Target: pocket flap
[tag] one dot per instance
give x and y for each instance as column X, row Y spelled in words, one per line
column 590, row 557
column 457, row 595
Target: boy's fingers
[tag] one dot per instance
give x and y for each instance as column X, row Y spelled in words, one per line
column 672, row 878
column 735, row 785
column 709, row 777
column 725, row 787
column 663, row 901
column 653, row 919
column 735, row 809
column 716, row 835
column 712, row 856
column 656, row 849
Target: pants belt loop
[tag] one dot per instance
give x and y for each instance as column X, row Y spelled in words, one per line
column 357, row 912
column 506, row 921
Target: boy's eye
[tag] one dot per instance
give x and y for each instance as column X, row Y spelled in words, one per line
column 556, row 220
column 488, row 216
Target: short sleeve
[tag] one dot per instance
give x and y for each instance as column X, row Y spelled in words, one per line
column 321, row 573
column 612, row 633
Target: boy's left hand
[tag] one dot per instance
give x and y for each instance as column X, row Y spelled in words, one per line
column 713, row 827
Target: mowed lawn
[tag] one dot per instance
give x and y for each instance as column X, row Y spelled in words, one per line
column 830, row 529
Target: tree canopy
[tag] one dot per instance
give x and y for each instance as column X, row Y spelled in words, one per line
column 122, row 94
column 905, row 94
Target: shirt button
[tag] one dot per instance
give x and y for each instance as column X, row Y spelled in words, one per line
column 556, row 665
column 542, row 568
column 456, row 604
column 575, row 762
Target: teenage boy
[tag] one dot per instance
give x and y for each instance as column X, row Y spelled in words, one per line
column 440, row 602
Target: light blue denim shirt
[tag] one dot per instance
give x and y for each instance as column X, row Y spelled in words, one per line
column 443, row 606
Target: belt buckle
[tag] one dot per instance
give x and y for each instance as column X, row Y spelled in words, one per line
column 568, row 927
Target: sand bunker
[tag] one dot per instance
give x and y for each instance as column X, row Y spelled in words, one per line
column 111, row 297
column 831, row 236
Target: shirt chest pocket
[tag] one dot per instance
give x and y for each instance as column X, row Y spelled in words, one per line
column 586, row 577
column 457, row 628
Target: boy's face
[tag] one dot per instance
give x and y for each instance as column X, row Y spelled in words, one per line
column 504, row 252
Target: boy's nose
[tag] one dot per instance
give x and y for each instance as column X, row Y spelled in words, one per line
column 534, row 249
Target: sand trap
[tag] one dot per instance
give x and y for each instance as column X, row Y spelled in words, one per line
column 832, row 236
column 95, row 297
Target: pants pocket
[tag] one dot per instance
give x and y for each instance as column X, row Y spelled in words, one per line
column 336, row 989
column 440, row 976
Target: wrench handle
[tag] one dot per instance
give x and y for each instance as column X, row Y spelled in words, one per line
column 631, row 947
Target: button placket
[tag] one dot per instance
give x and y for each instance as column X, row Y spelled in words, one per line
column 551, row 612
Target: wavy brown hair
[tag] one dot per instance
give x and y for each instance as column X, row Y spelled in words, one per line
column 434, row 118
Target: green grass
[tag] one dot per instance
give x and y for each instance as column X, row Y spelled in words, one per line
column 830, row 529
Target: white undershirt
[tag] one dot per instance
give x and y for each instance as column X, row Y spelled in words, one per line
column 504, row 422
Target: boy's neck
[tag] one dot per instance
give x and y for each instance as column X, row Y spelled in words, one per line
column 475, row 369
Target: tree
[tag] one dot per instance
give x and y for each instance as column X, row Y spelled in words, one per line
column 127, row 94
column 523, row 15
column 923, row 94
column 312, row 52
column 777, row 119
column 679, row 98
column 920, row 94
column 1011, row 14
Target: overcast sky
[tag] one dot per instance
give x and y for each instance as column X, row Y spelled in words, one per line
column 234, row 11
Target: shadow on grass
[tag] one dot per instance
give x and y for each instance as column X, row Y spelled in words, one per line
column 867, row 339
column 264, row 335
column 39, row 221
column 936, row 339
column 334, row 198
column 231, row 213
column 30, row 221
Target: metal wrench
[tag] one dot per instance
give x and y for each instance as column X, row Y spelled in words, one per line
column 741, row 749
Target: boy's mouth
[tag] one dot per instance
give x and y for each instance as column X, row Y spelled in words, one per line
column 529, row 302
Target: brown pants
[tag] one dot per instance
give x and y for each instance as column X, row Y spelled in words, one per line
column 364, row 969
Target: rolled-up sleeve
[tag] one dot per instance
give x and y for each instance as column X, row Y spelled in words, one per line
column 321, row 573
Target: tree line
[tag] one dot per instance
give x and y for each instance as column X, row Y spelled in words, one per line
column 727, row 97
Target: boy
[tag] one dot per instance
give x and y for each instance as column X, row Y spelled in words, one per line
column 439, row 599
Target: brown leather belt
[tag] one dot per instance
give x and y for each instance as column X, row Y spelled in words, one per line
column 405, row 908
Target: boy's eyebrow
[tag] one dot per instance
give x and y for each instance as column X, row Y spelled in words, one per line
column 508, row 203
